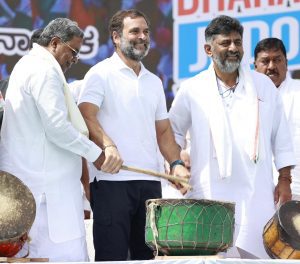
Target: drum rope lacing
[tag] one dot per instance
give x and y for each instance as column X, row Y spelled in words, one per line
column 152, row 208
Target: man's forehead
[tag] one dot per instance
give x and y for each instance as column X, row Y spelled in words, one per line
column 136, row 22
column 231, row 35
column 270, row 53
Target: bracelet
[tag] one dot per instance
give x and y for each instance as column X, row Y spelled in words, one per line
column 176, row 162
column 285, row 178
column 108, row 146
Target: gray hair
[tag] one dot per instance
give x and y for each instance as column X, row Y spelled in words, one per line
column 63, row 28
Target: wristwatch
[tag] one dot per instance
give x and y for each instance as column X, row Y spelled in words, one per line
column 177, row 162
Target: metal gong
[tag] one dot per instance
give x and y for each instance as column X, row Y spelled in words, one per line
column 17, row 208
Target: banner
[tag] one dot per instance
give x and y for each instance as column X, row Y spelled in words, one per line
column 261, row 19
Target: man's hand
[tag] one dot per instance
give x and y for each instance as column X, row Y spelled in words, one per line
column 185, row 156
column 282, row 192
column 181, row 171
column 110, row 160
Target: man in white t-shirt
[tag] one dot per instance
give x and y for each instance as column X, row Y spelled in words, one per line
column 125, row 110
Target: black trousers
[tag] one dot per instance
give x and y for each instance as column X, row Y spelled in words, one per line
column 119, row 218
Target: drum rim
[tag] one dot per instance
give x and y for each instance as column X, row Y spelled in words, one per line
column 13, row 239
column 284, row 234
column 230, row 205
column 191, row 199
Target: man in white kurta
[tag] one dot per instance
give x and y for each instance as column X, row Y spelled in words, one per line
column 270, row 59
column 236, row 121
column 42, row 147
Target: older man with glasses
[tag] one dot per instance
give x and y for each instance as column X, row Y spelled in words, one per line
column 42, row 141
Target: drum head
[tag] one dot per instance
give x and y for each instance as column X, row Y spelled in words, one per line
column 289, row 219
column 17, row 207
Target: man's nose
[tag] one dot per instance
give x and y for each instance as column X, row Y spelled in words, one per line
column 233, row 47
column 271, row 65
column 143, row 36
column 74, row 60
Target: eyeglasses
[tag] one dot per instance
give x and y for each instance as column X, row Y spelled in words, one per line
column 75, row 52
column 227, row 92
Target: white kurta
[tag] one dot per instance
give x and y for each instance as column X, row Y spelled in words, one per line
column 41, row 147
column 290, row 92
column 250, row 185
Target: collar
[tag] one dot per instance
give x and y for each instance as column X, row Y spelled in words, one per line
column 120, row 64
column 43, row 53
column 285, row 82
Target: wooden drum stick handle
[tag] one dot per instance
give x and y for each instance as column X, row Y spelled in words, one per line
column 182, row 181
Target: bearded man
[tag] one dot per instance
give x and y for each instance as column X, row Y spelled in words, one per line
column 236, row 122
column 125, row 110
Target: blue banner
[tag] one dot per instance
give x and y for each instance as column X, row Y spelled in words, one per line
column 189, row 55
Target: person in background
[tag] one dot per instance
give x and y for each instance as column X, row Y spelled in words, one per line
column 125, row 110
column 4, row 83
column 43, row 137
column 236, row 122
column 270, row 59
column 75, row 88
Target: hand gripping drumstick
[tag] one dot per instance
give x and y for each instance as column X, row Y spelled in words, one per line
column 173, row 178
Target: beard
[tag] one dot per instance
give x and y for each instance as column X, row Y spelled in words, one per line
column 129, row 50
column 227, row 66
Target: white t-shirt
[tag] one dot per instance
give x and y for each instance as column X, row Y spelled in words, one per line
column 129, row 106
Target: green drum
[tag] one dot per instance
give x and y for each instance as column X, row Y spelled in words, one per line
column 187, row 227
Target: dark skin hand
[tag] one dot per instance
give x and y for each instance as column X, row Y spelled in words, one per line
column 283, row 191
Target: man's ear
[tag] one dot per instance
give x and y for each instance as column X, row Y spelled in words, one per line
column 53, row 42
column 115, row 37
column 207, row 49
column 254, row 65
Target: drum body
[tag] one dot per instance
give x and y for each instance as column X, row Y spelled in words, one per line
column 189, row 227
column 17, row 213
column 281, row 235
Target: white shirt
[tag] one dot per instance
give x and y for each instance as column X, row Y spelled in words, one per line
column 40, row 146
column 75, row 88
column 290, row 92
column 129, row 106
column 250, row 185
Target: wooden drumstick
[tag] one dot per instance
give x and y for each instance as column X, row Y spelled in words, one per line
column 173, row 178
column 182, row 181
